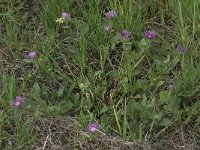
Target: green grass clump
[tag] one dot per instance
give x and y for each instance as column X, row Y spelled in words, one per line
column 133, row 87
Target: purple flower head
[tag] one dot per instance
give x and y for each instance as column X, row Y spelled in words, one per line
column 125, row 34
column 18, row 102
column 172, row 86
column 111, row 14
column 150, row 34
column 65, row 15
column 180, row 48
column 32, row 54
column 107, row 28
column 92, row 127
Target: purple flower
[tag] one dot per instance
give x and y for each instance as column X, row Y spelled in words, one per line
column 92, row 127
column 111, row 14
column 65, row 15
column 32, row 54
column 125, row 34
column 180, row 48
column 18, row 102
column 107, row 28
column 172, row 87
column 150, row 34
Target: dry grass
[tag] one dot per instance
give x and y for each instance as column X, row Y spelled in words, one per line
column 65, row 133
column 182, row 138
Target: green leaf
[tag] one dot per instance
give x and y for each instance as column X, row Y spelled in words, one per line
column 137, row 96
column 36, row 91
column 65, row 105
column 104, row 109
column 165, row 96
column 165, row 122
column 27, row 60
column 198, row 120
column 73, row 49
column 144, row 100
column 60, row 91
column 84, row 28
column 160, row 83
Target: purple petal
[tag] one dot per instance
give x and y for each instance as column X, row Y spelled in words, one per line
column 172, row 87
column 65, row 15
column 125, row 34
column 107, row 28
column 181, row 49
column 32, row 54
column 18, row 102
column 111, row 14
column 150, row 34
column 92, row 127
